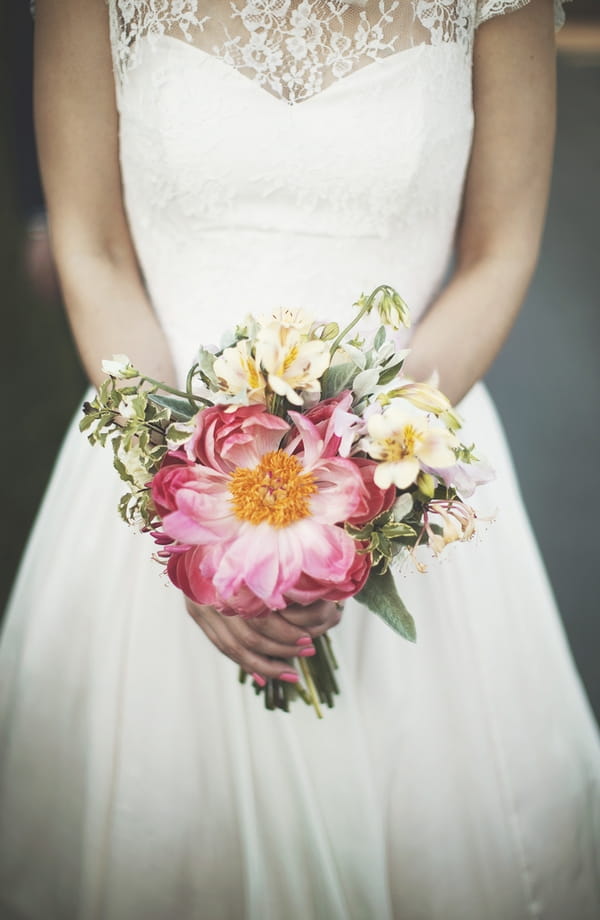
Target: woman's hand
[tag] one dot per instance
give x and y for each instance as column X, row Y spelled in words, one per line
column 261, row 645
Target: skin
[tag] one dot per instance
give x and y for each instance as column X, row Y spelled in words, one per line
column 497, row 241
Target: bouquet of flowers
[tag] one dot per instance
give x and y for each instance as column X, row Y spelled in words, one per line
column 296, row 465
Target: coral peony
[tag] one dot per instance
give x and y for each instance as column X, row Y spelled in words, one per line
column 255, row 523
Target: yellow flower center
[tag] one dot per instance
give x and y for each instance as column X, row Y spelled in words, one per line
column 290, row 358
column 252, row 374
column 276, row 491
column 403, row 445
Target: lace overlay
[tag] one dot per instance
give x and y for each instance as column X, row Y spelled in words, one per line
column 292, row 49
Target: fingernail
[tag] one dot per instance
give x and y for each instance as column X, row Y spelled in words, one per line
column 307, row 652
column 304, row 640
column 290, row 676
column 259, row 680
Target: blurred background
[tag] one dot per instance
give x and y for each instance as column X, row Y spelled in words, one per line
column 545, row 382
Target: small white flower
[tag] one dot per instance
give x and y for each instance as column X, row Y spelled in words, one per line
column 292, row 363
column 238, row 372
column 404, row 442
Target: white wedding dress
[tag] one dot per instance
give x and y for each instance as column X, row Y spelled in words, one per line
column 277, row 152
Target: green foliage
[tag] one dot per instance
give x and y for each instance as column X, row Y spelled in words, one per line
column 180, row 410
column 389, row 373
column 205, row 361
column 177, row 434
column 381, row 596
column 383, row 538
column 379, row 338
column 466, row 454
column 336, row 378
column 133, row 421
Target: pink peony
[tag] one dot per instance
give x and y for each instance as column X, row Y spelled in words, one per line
column 374, row 500
column 255, row 519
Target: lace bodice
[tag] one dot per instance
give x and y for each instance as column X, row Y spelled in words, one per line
column 295, row 48
column 291, row 152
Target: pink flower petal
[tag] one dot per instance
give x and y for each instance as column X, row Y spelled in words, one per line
column 311, row 439
column 340, row 490
column 323, row 550
column 201, row 517
column 256, row 559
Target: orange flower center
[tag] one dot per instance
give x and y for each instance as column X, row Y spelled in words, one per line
column 276, row 491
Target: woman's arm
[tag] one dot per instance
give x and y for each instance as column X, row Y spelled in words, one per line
column 77, row 131
column 504, row 203
column 77, row 135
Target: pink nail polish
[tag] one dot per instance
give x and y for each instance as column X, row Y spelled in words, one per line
column 304, row 640
column 290, row 676
column 259, row 680
column 307, row 652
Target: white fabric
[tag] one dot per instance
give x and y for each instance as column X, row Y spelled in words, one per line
column 457, row 779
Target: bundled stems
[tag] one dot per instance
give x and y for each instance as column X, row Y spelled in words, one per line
column 319, row 685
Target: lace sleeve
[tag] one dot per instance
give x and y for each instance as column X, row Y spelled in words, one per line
column 486, row 9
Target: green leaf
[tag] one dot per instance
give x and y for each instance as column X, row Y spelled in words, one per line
column 180, row 409
column 175, row 435
column 205, row 361
column 379, row 338
column 359, row 533
column 380, row 595
column 337, row 378
column 389, row 373
column 395, row 529
column 86, row 422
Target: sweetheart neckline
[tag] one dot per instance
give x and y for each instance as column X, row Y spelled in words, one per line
column 340, row 82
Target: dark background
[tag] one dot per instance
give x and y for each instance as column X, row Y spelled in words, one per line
column 545, row 381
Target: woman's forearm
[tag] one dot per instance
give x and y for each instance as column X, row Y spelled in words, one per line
column 109, row 313
column 504, row 202
column 465, row 327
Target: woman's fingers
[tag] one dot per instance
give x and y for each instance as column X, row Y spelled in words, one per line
column 235, row 639
column 315, row 618
column 263, row 645
column 251, row 651
column 277, row 629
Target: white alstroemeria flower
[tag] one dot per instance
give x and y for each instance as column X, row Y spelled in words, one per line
column 239, row 373
column 120, row 367
column 285, row 319
column 423, row 396
column 292, row 363
column 405, row 441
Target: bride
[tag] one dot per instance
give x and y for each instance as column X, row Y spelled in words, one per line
column 206, row 159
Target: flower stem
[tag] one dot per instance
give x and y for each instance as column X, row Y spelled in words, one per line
column 173, row 390
column 366, row 307
column 277, row 405
column 188, row 384
column 312, row 692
